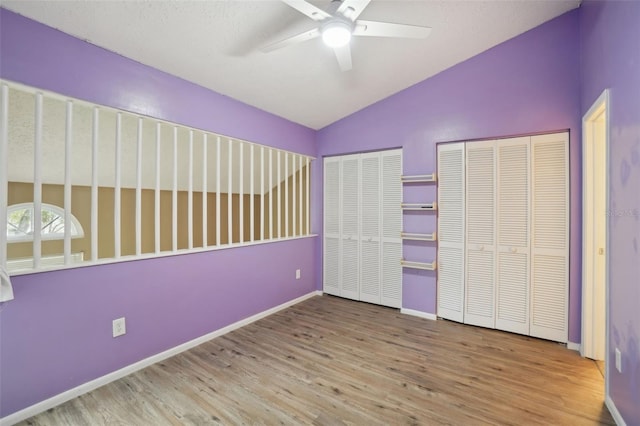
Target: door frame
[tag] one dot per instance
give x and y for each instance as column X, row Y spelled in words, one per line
column 587, row 347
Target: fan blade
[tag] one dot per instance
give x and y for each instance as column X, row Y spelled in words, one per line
column 352, row 8
column 308, row 9
column 307, row 35
column 343, row 54
column 386, row 29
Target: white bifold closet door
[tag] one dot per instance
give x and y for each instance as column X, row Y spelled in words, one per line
column 362, row 225
column 503, row 234
column 514, row 228
column 331, row 225
column 370, row 228
column 350, row 221
column 451, row 227
column 391, row 227
column 550, row 236
column 480, row 244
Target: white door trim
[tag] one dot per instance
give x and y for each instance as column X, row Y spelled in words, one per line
column 589, row 249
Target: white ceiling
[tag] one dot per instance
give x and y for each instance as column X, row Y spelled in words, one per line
column 216, row 45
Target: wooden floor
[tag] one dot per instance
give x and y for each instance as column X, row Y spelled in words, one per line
column 330, row 361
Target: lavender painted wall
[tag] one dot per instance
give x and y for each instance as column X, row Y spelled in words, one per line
column 527, row 84
column 56, row 334
column 610, row 38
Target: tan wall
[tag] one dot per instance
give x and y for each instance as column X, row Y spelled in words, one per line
column 274, row 193
column 81, row 209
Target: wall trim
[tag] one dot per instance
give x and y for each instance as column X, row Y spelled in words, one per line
column 419, row 314
column 65, row 396
column 574, row 346
column 149, row 256
column 617, row 417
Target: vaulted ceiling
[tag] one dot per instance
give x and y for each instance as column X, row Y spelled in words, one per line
column 216, row 44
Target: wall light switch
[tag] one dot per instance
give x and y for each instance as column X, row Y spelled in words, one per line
column 297, row 274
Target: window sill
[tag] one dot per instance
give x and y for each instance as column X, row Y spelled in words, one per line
column 147, row 256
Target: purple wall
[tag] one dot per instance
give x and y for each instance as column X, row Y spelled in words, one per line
column 56, row 334
column 610, row 37
column 527, row 84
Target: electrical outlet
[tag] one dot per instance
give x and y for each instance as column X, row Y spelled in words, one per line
column 618, row 360
column 297, row 274
column 119, row 327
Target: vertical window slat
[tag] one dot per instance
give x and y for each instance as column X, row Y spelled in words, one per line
column 174, row 193
column 190, row 193
column 251, row 201
column 68, row 140
column 205, row 197
column 262, row 224
column 241, row 192
column 308, row 195
column 37, row 185
column 300, row 200
column 286, row 194
column 229, row 195
column 294, row 192
column 94, row 183
column 139, row 189
column 218, row 173
column 116, row 191
column 157, row 192
column 279, row 198
column 270, row 194
column 4, row 164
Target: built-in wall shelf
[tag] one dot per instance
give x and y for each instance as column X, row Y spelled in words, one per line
column 418, row 178
column 419, row 206
column 419, row 265
column 418, row 237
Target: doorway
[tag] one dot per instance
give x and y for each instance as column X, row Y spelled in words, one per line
column 595, row 196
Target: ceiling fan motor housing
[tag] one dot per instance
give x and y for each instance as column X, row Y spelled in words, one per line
column 337, row 32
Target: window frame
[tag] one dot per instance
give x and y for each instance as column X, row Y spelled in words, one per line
column 53, row 236
column 214, row 141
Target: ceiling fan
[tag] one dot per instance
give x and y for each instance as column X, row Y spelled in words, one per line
column 339, row 22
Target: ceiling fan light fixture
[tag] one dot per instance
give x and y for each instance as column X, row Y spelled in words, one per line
column 336, row 34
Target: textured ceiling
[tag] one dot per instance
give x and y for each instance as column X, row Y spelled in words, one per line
column 216, row 44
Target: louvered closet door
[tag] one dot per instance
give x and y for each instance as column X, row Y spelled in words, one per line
column 331, row 242
column 391, row 226
column 370, row 290
column 550, row 237
column 480, row 253
column 349, row 238
column 451, row 229
column 513, row 270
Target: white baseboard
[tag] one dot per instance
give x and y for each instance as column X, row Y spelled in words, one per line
column 420, row 314
column 574, row 346
column 63, row 397
column 617, row 417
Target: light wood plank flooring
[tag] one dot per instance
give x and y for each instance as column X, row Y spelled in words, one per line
column 330, row 361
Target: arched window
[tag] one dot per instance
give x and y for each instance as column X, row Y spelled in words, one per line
column 20, row 226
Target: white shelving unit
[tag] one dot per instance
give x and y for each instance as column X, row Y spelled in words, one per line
column 418, row 265
column 419, row 178
column 419, row 206
column 425, row 207
column 418, row 237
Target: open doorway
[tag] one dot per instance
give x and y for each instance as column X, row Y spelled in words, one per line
column 595, row 150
